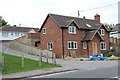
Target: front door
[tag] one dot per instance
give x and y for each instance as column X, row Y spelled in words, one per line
column 94, row 48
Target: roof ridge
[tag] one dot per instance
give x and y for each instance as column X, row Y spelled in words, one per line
column 71, row 17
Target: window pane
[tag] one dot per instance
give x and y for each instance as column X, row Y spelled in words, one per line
column 51, row 46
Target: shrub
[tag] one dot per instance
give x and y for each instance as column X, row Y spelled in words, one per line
column 111, row 52
column 107, row 54
column 81, row 60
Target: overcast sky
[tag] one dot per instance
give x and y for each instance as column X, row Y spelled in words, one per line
column 32, row 13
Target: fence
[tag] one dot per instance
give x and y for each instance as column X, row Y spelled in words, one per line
column 29, row 49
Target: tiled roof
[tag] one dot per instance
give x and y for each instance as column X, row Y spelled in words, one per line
column 90, row 35
column 17, row 29
column 63, row 21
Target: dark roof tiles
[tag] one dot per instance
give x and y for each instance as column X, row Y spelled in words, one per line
column 63, row 21
column 17, row 29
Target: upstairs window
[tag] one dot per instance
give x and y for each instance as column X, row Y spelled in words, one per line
column 50, row 45
column 103, row 46
column 102, row 32
column 44, row 30
column 72, row 29
column 72, row 45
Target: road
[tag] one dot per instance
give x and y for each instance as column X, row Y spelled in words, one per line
column 103, row 72
column 86, row 69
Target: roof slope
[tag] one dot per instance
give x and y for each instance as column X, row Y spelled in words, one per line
column 63, row 21
column 90, row 35
column 17, row 29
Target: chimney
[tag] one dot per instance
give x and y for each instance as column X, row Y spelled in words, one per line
column 97, row 17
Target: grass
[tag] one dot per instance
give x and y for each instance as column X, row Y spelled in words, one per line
column 114, row 58
column 13, row 64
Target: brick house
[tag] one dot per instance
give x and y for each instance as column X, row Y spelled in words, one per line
column 72, row 36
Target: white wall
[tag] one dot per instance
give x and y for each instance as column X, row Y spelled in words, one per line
column 11, row 35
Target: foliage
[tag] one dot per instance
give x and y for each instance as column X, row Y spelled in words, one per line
column 111, row 52
column 108, row 26
column 81, row 60
column 2, row 22
column 13, row 64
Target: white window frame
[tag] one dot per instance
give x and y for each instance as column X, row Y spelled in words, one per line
column 102, row 32
column 5, row 34
column 102, row 45
column 74, row 45
column 84, row 45
column 50, row 45
column 72, row 30
column 44, row 30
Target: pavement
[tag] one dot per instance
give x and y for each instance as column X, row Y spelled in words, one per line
column 68, row 65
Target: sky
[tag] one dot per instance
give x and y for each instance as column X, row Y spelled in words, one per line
column 32, row 13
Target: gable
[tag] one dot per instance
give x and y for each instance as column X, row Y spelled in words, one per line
column 73, row 24
column 103, row 27
column 48, row 16
column 90, row 35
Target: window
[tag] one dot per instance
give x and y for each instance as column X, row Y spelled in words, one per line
column 102, row 32
column 88, row 25
column 72, row 29
column 103, row 46
column 11, row 33
column 4, row 34
column 16, row 34
column 84, row 45
column 50, row 45
column 72, row 45
column 44, row 30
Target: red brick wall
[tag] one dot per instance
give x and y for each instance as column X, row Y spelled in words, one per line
column 34, row 35
column 95, row 39
column 73, row 37
column 53, row 34
column 107, row 40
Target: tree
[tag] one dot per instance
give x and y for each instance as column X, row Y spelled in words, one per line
column 109, row 26
column 2, row 22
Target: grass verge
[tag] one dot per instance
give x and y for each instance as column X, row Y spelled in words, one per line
column 12, row 64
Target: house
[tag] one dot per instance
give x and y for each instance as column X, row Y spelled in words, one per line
column 8, row 33
column 115, row 38
column 72, row 36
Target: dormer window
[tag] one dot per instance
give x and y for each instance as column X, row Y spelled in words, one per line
column 44, row 30
column 72, row 29
column 102, row 32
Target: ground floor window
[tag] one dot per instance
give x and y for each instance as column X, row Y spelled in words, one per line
column 50, row 45
column 72, row 45
column 103, row 45
column 84, row 45
column 4, row 34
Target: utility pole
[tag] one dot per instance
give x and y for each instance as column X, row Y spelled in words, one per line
column 78, row 13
